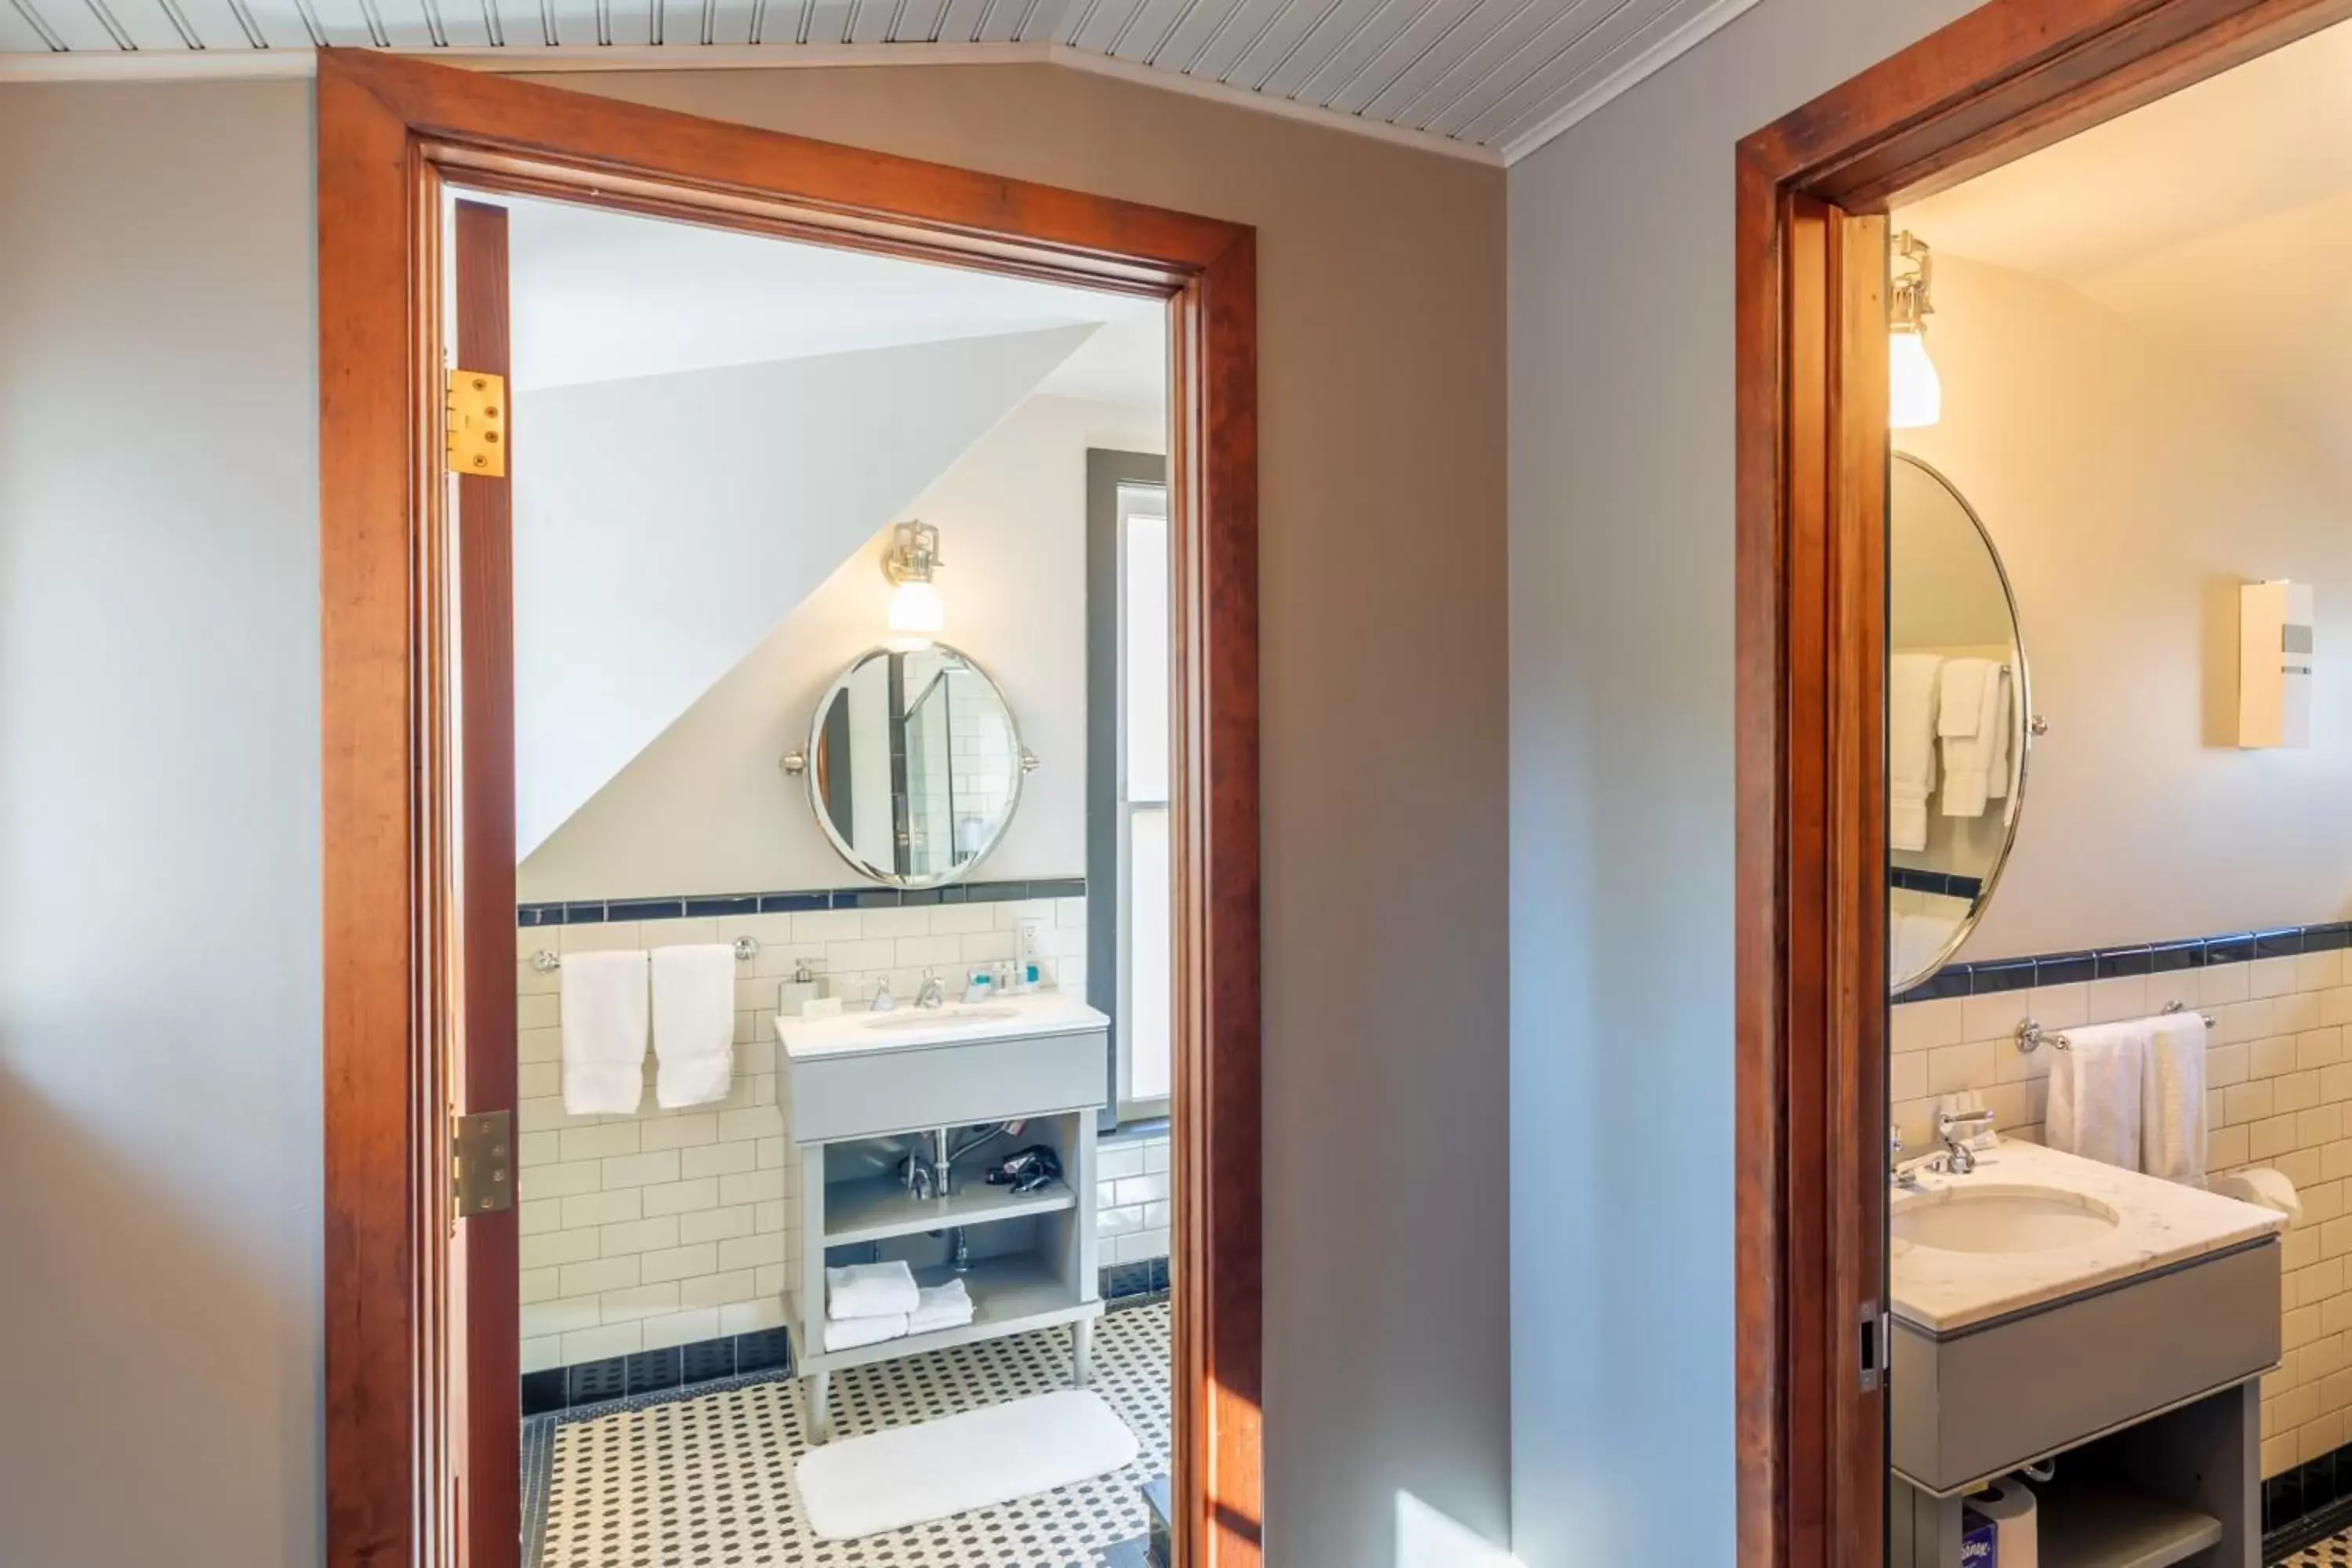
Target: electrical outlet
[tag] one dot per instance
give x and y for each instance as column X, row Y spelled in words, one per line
column 1030, row 941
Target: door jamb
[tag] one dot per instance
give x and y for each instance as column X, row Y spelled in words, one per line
column 389, row 130
column 1812, row 188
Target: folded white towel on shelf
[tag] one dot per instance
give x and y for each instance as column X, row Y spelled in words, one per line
column 1913, row 686
column 2172, row 1099
column 849, row 1334
column 694, row 1022
column 602, row 1001
column 1972, row 721
column 2096, row 1085
column 871, row 1290
column 948, row 1306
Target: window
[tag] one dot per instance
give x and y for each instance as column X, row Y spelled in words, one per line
column 1146, row 950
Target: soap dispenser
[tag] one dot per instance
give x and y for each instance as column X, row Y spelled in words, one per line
column 794, row 995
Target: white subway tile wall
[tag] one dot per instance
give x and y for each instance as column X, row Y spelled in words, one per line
column 663, row 1227
column 1131, row 1199
column 2278, row 1093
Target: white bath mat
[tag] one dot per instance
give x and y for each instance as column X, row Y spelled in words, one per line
column 910, row 1475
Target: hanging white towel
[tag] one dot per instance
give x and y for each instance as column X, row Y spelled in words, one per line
column 2095, row 1092
column 1913, row 687
column 1973, row 723
column 871, row 1290
column 849, row 1334
column 2172, row 1099
column 604, row 1017
column 694, row 1022
column 948, row 1306
column 1912, row 943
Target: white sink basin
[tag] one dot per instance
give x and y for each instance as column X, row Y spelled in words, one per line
column 941, row 1018
column 2001, row 1219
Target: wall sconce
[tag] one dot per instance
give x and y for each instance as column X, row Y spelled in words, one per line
column 917, row 615
column 1915, row 391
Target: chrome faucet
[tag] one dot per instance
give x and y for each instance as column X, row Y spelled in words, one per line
column 933, row 994
column 1956, row 1130
column 883, row 1001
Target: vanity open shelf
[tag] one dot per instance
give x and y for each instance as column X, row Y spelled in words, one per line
column 875, row 1209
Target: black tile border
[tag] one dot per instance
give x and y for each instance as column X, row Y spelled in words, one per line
column 1996, row 975
column 1949, row 884
column 2306, row 1504
column 1131, row 1284
column 559, row 1389
column 604, row 912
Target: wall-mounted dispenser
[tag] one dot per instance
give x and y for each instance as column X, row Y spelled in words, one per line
column 2274, row 664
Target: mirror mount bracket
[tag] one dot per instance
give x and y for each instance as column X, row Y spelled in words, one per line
column 794, row 762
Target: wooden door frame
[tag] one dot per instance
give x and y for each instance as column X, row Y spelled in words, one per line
column 390, row 131
column 1811, row 389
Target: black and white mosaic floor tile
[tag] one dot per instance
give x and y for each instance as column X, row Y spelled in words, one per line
column 704, row 1481
column 2334, row 1553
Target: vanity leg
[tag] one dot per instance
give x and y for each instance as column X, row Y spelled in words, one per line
column 820, row 1408
column 1082, row 1352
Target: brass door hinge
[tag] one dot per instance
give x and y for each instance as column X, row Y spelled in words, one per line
column 478, row 424
column 481, row 1162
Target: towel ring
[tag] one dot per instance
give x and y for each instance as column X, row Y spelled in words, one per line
column 547, row 963
column 2031, row 1036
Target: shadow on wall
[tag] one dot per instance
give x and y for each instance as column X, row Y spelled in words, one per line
column 1428, row 1539
column 157, row 1364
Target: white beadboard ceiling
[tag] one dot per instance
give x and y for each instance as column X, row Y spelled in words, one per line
column 1490, row 80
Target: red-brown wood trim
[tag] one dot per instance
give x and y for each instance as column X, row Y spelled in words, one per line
column 1810, row 396
column 378, row 1110
column 492, row 1468
column 389, row 130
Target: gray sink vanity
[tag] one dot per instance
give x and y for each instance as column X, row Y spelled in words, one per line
column 866, row 1089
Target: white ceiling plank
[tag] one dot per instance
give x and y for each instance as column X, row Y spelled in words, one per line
column 1148, row 26
column 730, row 22
column 18, row 35
column 1094, row 24
column 870, row 21
column 149, row 24
column 1371, row 28
column 1283, row 40
column 1247, row 24
column 1000, row 20
column 1557, row 64
column 1529, row 26
column 1341, row 25
column 1440, row 30
column 230, row 24
column 459, row 24
column 960, row 23
column 344, row 23
column 1042, row 21
column 626, row 23
column 1431, row 81
column 401, row 22
column 285, row 23
column 522, row 24
column 73, row 24
column 816, row 22
column 1194, row 30
column 920, row 21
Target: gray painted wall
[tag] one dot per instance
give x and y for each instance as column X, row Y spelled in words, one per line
column 159, row 826
column 1620, row 550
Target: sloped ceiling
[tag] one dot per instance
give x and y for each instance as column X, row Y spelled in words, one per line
column 1493, row 78
column 665, row 524
column 2216, row 220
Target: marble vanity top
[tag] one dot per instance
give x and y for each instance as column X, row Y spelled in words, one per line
column 856, row 1031
column 2155, row 1223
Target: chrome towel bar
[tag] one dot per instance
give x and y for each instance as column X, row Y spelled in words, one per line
column 2031, row 1035
column 547, row 963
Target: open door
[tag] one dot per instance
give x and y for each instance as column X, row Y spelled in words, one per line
column 484, row 1311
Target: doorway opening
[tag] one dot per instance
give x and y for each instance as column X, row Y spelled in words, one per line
column 740, row 672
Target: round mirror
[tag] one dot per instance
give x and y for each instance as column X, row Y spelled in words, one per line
column 1957, row 720
column 914, row 764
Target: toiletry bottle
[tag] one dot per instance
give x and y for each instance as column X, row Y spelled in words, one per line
column 804, row 987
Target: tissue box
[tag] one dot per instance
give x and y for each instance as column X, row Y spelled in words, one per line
column 1980, row 1545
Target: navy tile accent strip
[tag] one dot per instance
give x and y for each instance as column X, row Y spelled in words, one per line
column 652, row 1371
column 1949, row 884
column 1997, row 975
column 598, row 911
